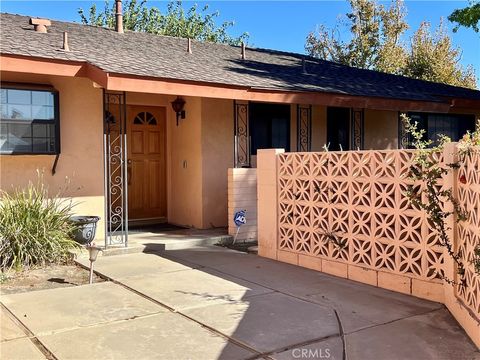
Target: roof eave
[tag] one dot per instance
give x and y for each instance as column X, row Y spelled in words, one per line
column 144, row 84
column 122, row 82
column 41, row 66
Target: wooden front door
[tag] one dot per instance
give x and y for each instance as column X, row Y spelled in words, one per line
column 146, row 168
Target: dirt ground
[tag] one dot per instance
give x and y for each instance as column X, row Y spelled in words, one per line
column 48, row 277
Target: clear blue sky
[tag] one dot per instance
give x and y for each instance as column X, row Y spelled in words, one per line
column 281, row 25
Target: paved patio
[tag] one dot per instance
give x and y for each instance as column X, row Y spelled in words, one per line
column 213, row 303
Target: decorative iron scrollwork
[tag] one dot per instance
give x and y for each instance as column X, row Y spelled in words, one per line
column 115, row 160
column 242, row 135
column 357, row 129
column 403, row 142
column 304, row 128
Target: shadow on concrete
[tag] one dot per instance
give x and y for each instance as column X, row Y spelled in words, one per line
column 288, row 312
column 60, row 281
column 154, row 228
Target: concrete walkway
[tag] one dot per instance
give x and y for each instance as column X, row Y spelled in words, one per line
column 213, row 303
column 164, row 238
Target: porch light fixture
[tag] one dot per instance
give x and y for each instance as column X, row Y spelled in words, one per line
column 178, row 106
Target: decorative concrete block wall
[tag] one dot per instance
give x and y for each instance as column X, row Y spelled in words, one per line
column 464, row 301
column 242, row 195
column 358, row 198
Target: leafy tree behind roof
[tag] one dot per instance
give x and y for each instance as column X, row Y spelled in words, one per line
column 377, row 43
column 432, row 57
column 176, row 21
column 468, row 17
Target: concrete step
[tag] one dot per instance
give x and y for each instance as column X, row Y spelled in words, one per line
column 138, row 242
column 184, row 243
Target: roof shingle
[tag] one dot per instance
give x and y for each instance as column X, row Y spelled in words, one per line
column 166, row 57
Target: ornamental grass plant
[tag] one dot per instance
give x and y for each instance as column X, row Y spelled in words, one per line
column 34, row 227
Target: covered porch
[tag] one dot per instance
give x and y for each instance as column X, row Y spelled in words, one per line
column 177, row 165
column 163, row 167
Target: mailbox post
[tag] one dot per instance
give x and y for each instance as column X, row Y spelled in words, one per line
column 239, row 218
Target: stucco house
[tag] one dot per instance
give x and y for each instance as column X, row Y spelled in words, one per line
column 146, row 127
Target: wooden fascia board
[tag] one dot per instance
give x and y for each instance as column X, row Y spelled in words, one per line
column 31, row 65
column 120, row 82
column 96, row 74
column 41, row 66
column 466, row 103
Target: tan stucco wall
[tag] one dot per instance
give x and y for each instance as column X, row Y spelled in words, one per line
column 81, row 158
column 185, row 173
column 381, row 129
column 319, row 127
column 217, row 158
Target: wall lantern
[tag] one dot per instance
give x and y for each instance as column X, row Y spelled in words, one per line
column 109, row 118
column 178, row 106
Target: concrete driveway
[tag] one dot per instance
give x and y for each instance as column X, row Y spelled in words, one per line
column 212, row 303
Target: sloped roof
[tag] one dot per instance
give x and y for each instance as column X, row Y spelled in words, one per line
column 166, row 57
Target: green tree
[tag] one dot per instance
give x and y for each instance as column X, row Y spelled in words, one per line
column 432, row 57
column 391, row 56
column 468, row 17
column 375, row 37
column 376, row 43
column 176, row 21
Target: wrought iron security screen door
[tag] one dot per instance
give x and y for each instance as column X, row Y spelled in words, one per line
column 357, row 129
column 242, row 150
column 115, row 161
column 304, row 128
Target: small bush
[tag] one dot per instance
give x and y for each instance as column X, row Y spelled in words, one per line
column 34, row 228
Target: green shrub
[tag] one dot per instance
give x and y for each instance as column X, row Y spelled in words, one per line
column 34, row 228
